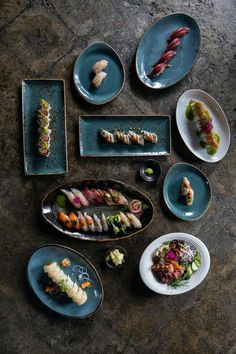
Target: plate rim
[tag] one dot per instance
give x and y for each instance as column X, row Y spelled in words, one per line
column 198, row 51
column 123, row 71
column 167, row 204
column 223, row 114
column 87, row 238
column 173, row 234
column 23, row 82
column 87, row 260
column 127, row 115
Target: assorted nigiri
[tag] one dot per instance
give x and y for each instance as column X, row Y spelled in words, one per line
column 44, row 133
column 65, row 283
column 186, row 191
column 198, row 112
column 117, row 223
column 136, row 136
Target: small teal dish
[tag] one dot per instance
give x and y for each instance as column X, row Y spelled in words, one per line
column 153, row 45
column 93, row 145
column 52, row 91
column 83, row 75
column 200, row 185
column 80, row 270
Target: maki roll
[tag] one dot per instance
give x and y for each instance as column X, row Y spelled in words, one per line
column 136, row 138
column 44, row 132
column 123, row 137
column 150, row 137
column 197, row 112
column 109, row 137
column 186, row 191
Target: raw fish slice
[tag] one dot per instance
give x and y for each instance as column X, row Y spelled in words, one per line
column 82, row 221
column 123, row 137
column 109, row 137
column 89, row 195
column 151, row 137
column 98, row 196
column 134, row 220
column 124, row 220
column 99, row 66
column 108, row 198
column 97, row 222
column 117, row 197
column 104, row 223
column 136, row 138
column 81, row 197
column 72, row 198
column 90, row 222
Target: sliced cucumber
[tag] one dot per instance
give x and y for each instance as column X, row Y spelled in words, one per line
column 189, row 271
column 194, row 266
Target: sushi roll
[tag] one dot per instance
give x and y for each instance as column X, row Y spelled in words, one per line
column 99, row 66
column 123, row 137
column 186, row 191
column 136, row 138
column 150, row 137
column 44, row 133
column 65, row 283
column 109, row 137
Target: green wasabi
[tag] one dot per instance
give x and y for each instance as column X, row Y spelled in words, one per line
column 149, row 171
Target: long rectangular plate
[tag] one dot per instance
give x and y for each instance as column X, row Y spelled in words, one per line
column 52, row 91
column 91, row 144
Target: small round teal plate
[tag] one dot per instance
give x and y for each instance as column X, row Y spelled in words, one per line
column 83, row 75
column 153, row 44
column 200, row 185
column 80, row 270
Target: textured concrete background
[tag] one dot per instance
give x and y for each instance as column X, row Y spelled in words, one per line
column 41, row 39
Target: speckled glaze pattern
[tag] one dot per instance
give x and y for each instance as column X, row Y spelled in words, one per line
column 42, row 39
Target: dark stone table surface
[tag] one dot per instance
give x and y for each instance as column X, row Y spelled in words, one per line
column 41, row 39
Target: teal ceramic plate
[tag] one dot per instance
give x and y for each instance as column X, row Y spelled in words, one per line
column 91, row 144
column 83, row 75
column 54, row 92
column 199, row 184
column 80, row 270
column 153, row 44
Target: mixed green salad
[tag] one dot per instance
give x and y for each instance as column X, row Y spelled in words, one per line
column 174, row 262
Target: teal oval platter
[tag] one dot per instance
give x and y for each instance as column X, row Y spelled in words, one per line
column 80, row 270
column 200, row 185
column 153, row 45
column 83, row 75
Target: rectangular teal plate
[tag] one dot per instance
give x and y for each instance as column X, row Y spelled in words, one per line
column 91, row 144
column 52, row 91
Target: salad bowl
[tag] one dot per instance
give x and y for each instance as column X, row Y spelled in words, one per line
column 197, row 277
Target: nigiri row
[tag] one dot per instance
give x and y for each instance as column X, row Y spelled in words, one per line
column 85, row 222
column 73, row 290
column 44, row 132
column 128, row 137
column 94, row 196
